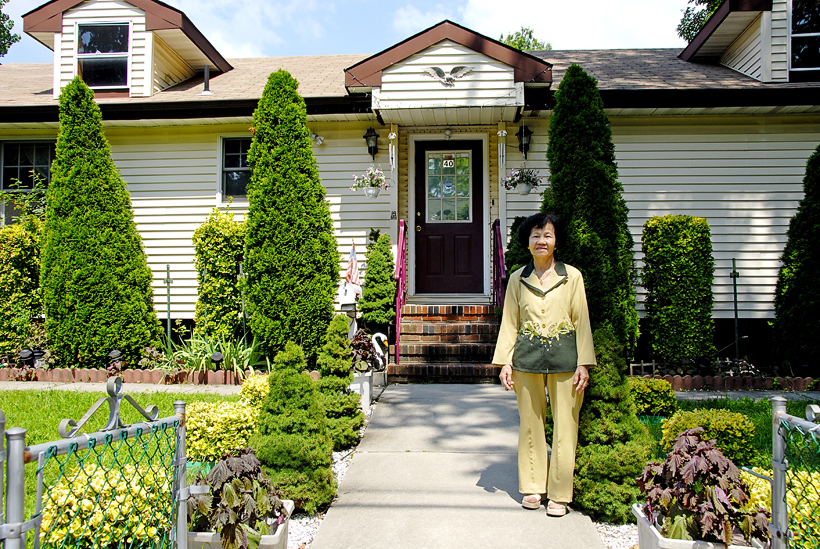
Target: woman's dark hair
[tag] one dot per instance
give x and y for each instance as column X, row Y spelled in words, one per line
column 539, row 221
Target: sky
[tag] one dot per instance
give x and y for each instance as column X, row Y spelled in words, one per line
column 254, row 28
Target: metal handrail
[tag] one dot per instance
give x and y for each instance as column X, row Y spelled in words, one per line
column 401, row 281
column 499, row 268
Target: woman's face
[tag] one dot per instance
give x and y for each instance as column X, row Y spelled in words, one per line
column 542, row 241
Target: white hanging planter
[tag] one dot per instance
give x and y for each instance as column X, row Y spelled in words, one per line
column 524, row 188
column 650, row 538
column 277, row 540
column 372, row 192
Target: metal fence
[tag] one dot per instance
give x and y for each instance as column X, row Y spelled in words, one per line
column 118, row 487
column 795, row 478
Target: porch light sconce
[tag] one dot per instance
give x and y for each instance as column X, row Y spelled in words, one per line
column 372, row 139
column 523, row 134
column 316, row 138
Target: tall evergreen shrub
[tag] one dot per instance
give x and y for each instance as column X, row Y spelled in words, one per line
column 219, row 244
column 95, row 278
column 613, row 445
column 20, row 298
column 335, row 363
column 378, row 301
column 797, row 295
column 586, row 193
column 677, row 274
column 293, row 442
column 290, row 252
column 516, row 255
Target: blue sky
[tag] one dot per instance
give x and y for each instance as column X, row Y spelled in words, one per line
column 253, row 28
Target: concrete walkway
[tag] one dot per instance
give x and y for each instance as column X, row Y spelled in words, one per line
column 437, row 468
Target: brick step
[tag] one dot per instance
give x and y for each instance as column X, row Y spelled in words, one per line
column 449, row 313
column 448, row 328
column 438, row 352
column 449, row 338
column 442, row 372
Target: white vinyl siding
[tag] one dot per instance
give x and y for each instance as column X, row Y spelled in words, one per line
column 780, row 40
column 745, row 54
column 169, row 68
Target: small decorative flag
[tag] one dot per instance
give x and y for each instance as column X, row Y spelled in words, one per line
column 352, row 275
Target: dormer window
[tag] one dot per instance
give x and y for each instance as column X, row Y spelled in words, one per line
column 102, row 55
column 805, row 41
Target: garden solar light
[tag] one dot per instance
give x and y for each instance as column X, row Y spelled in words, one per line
column 114, row 355
column 217, row 357
column 372, row 139
column 25, row 356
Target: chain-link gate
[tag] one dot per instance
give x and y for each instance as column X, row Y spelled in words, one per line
column 120, row 487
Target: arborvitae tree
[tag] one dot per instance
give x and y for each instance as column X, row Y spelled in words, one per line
column 95, row 278
column 586, row 193
column 613, row 445
column 516, row 255
column 378, row 301
column 291, row 258
column 219, row 244
column 20, row 298
column 293, row 442
column 335, row 363
column 797, row 295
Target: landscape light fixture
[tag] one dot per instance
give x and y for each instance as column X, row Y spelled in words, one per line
column 523, row 134
column 372, row 139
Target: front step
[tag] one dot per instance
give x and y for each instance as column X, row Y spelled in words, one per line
column 442, row 373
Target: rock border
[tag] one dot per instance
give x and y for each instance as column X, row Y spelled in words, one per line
column 88, row 375
column 730, row 383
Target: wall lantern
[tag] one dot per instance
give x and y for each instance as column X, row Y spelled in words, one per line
column 372, row 139
column 523, row 134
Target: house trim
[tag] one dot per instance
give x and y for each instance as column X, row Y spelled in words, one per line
column 690, row 53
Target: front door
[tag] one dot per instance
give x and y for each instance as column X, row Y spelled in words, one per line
column 449, row 217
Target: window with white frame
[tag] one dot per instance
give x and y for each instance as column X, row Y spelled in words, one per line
column 236, row 172
column 20, row 162
column 805, row 35
column 102, row 55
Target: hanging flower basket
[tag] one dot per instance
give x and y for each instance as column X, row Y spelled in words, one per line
column 372, row 192
column 372, row 181
column 523, row 179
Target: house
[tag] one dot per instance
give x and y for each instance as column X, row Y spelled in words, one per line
column 720, row 130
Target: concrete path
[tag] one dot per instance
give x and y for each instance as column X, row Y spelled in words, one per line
column 437, row 468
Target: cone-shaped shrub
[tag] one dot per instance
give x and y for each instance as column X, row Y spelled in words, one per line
column 585, row 191
column 95, row 278
column 19, row 281
column 797, row 295
column 613, row 445
column 219, row 244
column 516, row 255
column 293, row 441
column 291, row 258
column 378, row 301
column 335, row 363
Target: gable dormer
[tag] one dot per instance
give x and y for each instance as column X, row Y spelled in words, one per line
column 134, row 48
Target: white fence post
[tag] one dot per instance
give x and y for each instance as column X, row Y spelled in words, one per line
column 182, row 486
column 780, row 517
column 15, row 488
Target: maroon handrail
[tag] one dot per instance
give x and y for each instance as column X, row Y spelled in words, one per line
column 499, row 269
column 401, row 281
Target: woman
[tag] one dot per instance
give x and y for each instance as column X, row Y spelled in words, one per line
column 545, row 341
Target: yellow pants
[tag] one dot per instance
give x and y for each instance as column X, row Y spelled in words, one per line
column 536, row 475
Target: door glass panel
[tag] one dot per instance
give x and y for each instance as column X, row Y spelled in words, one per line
column 434, row 186
column 434, row 209
column 448, row 164
column 463, row 164
column 448, row 209
column 449, row 187
column 463, row 185
column 449, row 196
column 463, row 212
column 434, row 165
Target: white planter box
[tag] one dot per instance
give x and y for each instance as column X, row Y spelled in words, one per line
column 363, row 385
column 380, row 378
column 212, row 540
column 650, row 538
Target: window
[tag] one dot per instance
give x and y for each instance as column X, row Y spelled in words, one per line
column 102, row 55
column 20, row 161
column 448, row 186
column 236, row 173
column 805, row 38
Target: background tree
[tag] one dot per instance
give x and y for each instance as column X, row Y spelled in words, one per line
column 586, row 193
column 524, row 39
column 695, row 16
column 378, row 301
column 95, row 278
column 516, row 255
column 7, row 38
column 290, row 252
column 797, row 294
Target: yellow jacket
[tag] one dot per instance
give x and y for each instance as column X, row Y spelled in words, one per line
column 562, row 306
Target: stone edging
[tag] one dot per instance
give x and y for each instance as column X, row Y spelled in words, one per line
column 85, row 375
column 730, row 383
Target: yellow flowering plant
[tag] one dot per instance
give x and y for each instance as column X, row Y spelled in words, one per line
column 214, row 429
column 254, row 390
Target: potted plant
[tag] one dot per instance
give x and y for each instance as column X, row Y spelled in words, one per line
column 242, row 509
column 697, row 495
column 523, row 179
column 372, row 181
column 364, row 360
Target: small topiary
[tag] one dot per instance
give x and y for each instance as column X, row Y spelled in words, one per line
column 733, row 433
column 653, row 397
column 378, row 301
column 293, row 442
column 20, row 298
column 516, row 255
column 213, row 429
column 335, row 363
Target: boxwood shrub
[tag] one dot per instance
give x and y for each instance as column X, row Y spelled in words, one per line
column 733, row 433
column 214, row 428
column 20, row 298
column 653, row 397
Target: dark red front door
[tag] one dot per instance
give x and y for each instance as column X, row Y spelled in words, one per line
column 449, row 215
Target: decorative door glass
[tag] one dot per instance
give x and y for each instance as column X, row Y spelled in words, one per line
column 449, row 196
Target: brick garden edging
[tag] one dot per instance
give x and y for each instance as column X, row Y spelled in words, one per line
column 729, row 383
column 84, row 375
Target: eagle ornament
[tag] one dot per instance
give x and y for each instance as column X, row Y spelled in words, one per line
column 448, row 79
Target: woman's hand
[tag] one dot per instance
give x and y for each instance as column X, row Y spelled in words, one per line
column 506, row 377
column 580, row 380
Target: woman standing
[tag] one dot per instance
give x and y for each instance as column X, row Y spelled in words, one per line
column 545, row 341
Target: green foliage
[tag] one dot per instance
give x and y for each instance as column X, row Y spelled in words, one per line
column 653, row 397
column 516, row 255
column 293, row 442
column 734, row 433
column 95, row 278
column 254, row 390
column 29, row 202
column 586, row 194
column 215, row 428
column 219, row 244
column 20, row 298
column 7, row 38
column 378, row 301
column 695, row 16
column 613, row 445
column 335, row 363
column 524, row 40
column 291, row 259
column 797, row 295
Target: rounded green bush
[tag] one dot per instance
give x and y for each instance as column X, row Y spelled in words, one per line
column 732, row 432
column 653, row 397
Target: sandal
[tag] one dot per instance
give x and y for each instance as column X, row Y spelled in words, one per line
column 556, row 509
column 532, row 501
